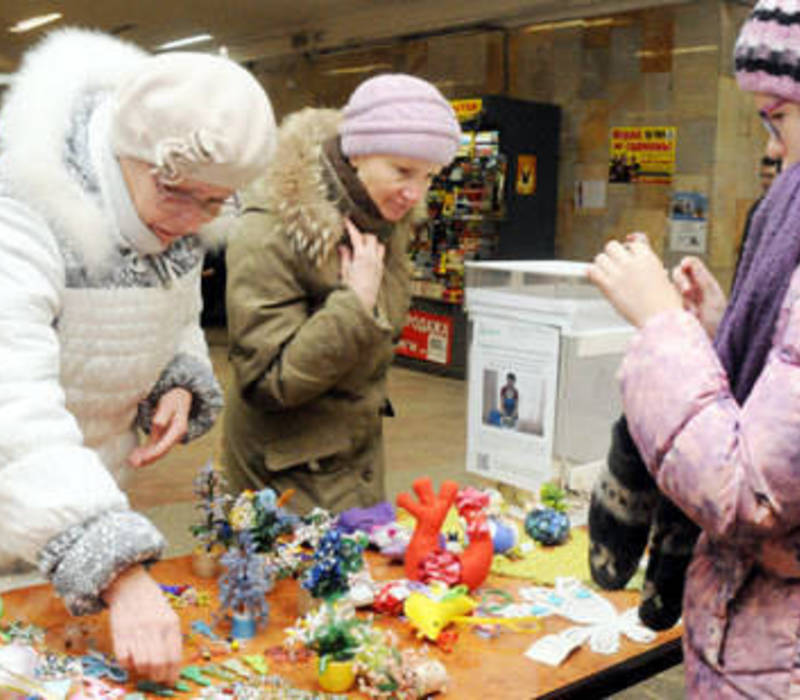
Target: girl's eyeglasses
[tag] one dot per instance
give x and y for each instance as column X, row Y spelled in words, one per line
column 766, row 119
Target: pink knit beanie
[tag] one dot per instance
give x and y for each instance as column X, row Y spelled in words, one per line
column 767, row 53
column 398, row 114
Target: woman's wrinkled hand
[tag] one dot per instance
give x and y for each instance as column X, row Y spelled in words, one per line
column 361, row 265
column 633, row 279
column 145, row 630
column 169, row 426
column 700, row 292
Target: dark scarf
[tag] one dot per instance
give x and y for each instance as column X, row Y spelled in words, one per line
column 771, row 253
column 349, row 192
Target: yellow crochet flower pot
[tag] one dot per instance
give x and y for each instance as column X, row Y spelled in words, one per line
column 337, row 676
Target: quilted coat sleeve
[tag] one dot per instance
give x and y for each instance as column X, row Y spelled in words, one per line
column 58, row 503
column 735, row 470
column 285, row 350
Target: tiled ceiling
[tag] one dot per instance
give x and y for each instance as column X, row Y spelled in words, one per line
column 252, row 29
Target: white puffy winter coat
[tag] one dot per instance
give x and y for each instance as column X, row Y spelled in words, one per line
column 92, row 330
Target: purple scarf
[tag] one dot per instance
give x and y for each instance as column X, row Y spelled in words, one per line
column 771, row 253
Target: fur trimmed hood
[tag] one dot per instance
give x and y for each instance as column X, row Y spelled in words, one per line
column 36, row 120
column 296, row 191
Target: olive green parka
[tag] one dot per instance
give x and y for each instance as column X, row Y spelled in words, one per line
column 305, row 406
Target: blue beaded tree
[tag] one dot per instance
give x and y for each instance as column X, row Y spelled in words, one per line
column 248, row 578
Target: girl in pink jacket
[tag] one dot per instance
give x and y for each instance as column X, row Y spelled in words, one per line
column 713, row 400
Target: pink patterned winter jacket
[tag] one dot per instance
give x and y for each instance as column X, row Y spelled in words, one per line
column 735, row 470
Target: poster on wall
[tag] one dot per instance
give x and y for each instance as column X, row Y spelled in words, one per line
column 513, row 380
column 526, row 174
column 427, row 337
column 642, row 154
column 688, row 222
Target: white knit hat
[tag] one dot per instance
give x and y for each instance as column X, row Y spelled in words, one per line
column 195, row 116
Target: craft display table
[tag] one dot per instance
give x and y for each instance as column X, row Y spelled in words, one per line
column 479, row 668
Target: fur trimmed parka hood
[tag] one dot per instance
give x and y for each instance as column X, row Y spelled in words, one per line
column 296, row 191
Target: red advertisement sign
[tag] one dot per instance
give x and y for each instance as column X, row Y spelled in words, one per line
column 427, row 337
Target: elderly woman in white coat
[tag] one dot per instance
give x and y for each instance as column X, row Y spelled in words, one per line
column 109, row 160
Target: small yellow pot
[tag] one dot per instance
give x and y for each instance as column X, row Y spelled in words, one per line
column 338, row 676
column 205, row 564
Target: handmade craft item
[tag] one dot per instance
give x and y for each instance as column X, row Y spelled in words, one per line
column 599, row 622
column 244, row 586
column 219, row 672
column 258, row 663
column 335, row 558
column 549, row 524
column 270, row 519
column 391, row 540
column 213, row 532
column 337, row 676
column 425, row 557
column 365, row 519
column 387, row 672
column 429, row 615
column 237, row 667
column 505, row 535
column 335, row 634
column 99, row 665
column 160, row 689
column 390, row 597
column 195, row 675
column 89, row 688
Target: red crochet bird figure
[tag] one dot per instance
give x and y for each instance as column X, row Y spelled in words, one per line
column 430, row 511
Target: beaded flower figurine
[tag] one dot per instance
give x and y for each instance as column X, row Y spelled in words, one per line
column 244, row 586
column 213, row 532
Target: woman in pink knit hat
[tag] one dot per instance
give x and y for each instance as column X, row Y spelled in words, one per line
column 711, row 392
column 318, row 290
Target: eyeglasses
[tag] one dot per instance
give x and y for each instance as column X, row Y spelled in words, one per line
column 766, row 119
column 179, row 201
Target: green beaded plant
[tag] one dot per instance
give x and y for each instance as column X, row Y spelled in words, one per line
column 552, row 496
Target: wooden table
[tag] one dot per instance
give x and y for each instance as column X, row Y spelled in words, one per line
column 480, row 669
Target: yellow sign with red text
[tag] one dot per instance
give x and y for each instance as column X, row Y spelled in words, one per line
column 467, row 109
column 642, row 154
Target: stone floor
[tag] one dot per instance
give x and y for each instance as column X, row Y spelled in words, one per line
column 427, row 437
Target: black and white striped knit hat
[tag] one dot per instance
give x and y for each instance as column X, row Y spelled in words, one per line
column 767, row 53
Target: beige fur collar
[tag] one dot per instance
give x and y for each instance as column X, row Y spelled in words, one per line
column 295, row 189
